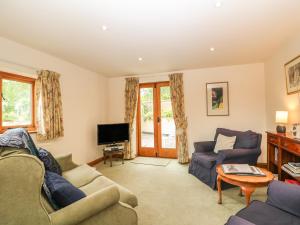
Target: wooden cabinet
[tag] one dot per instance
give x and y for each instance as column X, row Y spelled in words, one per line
column 282, row 148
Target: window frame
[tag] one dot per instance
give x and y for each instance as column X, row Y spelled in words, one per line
column 19, row 78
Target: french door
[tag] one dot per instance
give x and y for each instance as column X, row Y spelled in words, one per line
column 155, row 123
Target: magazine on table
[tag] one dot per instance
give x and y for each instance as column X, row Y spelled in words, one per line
column 242, row 169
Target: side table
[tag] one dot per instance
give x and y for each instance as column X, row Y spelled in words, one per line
column 110, row 153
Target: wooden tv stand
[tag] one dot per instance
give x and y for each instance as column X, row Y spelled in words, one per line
column 287, row 149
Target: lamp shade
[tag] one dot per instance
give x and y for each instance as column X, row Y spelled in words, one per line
column 281, row 116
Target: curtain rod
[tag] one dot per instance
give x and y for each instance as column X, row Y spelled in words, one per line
column 21, row 65
column 147, row 76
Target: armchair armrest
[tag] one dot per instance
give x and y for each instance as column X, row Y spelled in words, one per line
column 235, row 220
column 204, row 146
column 248, row 156
column 86, row 207
column 66, row 162
column 284, row 196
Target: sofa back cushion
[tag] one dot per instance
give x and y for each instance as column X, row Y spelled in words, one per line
column 244, row 139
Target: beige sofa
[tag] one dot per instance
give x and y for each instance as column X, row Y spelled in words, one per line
column 21, row 201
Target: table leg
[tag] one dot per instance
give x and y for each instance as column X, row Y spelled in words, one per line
column 104, row 156
column 248, row 192
column 122, row 157
column 241, row 192
column 219, row 181
column 110, row 158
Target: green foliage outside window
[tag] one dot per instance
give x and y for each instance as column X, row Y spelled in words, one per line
column 147, row 103
column 16, row 102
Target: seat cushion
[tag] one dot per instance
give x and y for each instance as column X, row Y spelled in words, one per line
column 261, row 213
column 101, row 182
column 205, row 159
column 81, row 175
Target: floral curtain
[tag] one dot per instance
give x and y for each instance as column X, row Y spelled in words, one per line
column 177, row 98
column 131, row 96
column 49, row 116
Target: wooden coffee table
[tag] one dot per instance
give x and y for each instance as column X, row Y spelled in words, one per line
column 247, row 184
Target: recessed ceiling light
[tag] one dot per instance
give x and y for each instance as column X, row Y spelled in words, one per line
column 140, row 59
column 218, row 4
column 104, row 28
column 212, row 49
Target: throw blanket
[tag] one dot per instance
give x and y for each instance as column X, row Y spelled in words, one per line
column 18, row 138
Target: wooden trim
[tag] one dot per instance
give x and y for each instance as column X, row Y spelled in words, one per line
column 23, row 79
column 157, row 149
column 262, row 165
column 96, row 161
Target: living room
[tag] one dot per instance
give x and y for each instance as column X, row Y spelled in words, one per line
column 244, row 48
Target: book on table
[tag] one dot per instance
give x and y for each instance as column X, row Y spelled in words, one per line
column 242, row 169
column 289, row 169
column 294, row 165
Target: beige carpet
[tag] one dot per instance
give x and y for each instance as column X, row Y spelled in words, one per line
column 151, row 161
column 170, row 196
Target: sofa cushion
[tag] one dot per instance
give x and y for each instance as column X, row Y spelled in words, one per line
column 81, row 175
column 102, row 182
column 49, row 161
column 224, row 142
column 62, row 191
column 244, row 139
column 205, row 159
column 261, row 213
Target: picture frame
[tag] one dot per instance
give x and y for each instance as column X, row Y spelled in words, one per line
column 217, row 99
column 292, row 75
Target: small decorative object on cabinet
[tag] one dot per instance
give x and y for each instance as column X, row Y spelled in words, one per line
column 281, row 120
column 288, row 150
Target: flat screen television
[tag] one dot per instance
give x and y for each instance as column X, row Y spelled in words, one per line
column 112, row 133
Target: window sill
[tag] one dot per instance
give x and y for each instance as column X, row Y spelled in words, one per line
column 30, row 130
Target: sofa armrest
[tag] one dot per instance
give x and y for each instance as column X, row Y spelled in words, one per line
column 284, row 196
column 86, row 207
column 247, row 156
column 204, row 146
column 66, row 162
column 235, row 220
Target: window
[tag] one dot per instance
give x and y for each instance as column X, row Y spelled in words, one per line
column 16, row 102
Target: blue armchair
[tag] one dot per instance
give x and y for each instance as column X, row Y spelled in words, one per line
column 281, row 207
column 246, row 150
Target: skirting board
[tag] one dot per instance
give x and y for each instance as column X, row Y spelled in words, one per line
column 96, row 161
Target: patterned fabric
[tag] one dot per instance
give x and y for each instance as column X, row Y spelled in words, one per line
column 18, row 138
column 49, row 106
column 49, row 161
column 177, row 98
column 131, row 95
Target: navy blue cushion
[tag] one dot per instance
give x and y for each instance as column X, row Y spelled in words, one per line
column 244, row 139
column 261, row 213
column 62, row 191
column 49, row 161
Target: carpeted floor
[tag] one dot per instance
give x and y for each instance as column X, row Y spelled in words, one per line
column 170, row 196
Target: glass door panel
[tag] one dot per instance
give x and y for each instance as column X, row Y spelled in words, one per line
column 147, row 117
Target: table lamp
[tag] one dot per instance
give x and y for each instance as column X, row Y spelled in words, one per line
column 281, row 120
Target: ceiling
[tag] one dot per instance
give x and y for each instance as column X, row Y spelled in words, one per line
column 168, row 34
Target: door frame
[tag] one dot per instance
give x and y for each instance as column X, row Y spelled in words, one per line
column 157, row 150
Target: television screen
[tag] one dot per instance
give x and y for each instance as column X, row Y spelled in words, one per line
column 113, row 133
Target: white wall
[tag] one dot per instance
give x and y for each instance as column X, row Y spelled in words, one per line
column 246, row 99
column 276, row 95
column 83, row 97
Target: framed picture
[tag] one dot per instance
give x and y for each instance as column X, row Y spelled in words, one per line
column 217, row 100
column 292, row 74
